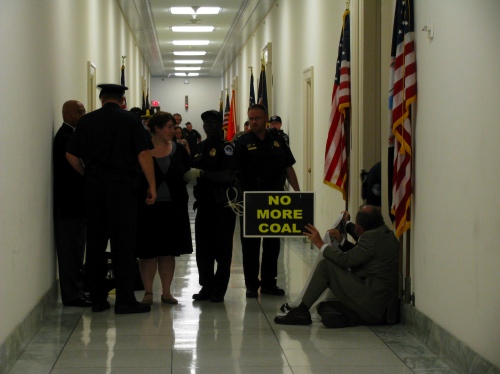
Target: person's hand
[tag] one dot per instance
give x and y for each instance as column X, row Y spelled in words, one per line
column 313, row 234
column 191, row 175
column 347, row 216
column 151, row 197
column 335, row 234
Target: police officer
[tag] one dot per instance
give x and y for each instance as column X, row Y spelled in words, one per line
column 213, row 166
column 107, row 148
column 275, row 128
column 265, row 162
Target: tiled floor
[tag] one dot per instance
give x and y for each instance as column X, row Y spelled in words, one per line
column 237, row 336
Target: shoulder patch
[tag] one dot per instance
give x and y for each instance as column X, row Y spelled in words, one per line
column 228, row 150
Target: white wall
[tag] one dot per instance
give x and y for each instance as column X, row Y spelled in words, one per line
column 45, row 49
column 454, row 258
column 203, row 94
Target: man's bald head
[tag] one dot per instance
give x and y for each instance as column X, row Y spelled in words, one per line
column 72, row 111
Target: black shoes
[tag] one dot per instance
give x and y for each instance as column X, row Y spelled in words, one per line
column 82, row 301
column 294, row 317
column 204, row 294
column 274, row 291
column 251, row 293
column 100, row 307
column 131, row 308
column 285, row 308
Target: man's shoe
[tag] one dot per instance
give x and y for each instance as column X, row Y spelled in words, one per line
column 275, row 291
column 252, row 293
column 82, row 301
column 217, row 298
column 202, row 295
column 294, row 317
column 100, row 307
column 285, row 308
column 131, row 308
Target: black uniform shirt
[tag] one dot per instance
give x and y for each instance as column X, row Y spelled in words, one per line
column 263, row 163
column 212, row 156
column 108, row 140
column 191, row 137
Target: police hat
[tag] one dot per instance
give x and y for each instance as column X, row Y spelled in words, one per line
column 212, row 115
column 112, row 88
column 275, row 119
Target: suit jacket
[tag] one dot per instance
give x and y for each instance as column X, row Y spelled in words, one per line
column 372, row 282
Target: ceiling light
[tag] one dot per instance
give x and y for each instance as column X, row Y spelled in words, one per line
column 189, row 53
column 180, row 74
column 187, row 68
column 188, row 61
column 193, row 28
column 193, row 74
column 190, row 10
column 191, row 42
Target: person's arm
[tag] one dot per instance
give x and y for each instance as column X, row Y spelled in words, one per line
column 146, row 162
column 292, row 178
column 76, row 163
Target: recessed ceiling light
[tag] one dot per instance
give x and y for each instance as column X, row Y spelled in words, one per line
column 190, row 53
column 195, row 10
column 187, row 68
column 188, row 61
column 180, row 74
column 191, row 42
column 193, row 74
column 193, row 28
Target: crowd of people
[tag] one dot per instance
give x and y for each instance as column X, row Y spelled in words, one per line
column 121, row 176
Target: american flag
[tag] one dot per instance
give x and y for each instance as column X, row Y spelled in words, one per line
column 403, row 92
column 252, row 91
column 335, row 173
column 122, row 82
column 225, row 120
column 262, row 89
column 231, row 126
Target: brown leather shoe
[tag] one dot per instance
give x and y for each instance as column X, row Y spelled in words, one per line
column 294, row 317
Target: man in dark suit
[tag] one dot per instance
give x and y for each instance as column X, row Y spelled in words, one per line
column 69, row 211
column 363, row 292
column 108, row 146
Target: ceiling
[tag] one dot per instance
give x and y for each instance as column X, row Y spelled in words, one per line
column 151, row 22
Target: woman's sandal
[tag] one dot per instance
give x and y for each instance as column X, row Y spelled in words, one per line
column 169, row 300
column 148, row 298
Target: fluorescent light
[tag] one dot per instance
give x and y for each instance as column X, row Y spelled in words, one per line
column 180, row 74
column 186, row 68
column 188, row 61
column 190, row 10
column 193, row 74
column 193, row 28
column 189, row 53
column 191, row 42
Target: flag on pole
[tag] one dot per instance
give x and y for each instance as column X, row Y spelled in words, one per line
column 225, row 120
column 231, row 126
column 335, row 173
column 252, row 91
column 143, row 100
column 262, row 90
column 402, row 93
column 122, row 82
column 147, row 98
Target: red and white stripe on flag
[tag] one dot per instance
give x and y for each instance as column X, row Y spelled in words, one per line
column 404, row 93
column 335, row 171
column 225, row 120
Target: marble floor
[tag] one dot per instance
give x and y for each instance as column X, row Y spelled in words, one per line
column 237, row 336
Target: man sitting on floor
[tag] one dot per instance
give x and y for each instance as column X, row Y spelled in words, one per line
column 364, row 292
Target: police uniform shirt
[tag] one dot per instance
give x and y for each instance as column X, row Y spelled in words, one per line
column 108, row 140
column 213, row 156
column 263, row 163
column 191, row 137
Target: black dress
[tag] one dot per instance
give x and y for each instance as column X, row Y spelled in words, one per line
column 164, row 228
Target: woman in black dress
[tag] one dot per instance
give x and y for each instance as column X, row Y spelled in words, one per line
column 164, row 230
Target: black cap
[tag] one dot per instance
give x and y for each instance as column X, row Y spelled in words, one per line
column 112, row 88
column 212, row 115
column 275, row 119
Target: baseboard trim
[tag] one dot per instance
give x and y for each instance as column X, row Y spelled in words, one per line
column 18, row 339
column 455, row 353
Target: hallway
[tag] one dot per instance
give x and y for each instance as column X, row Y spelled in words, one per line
column 237, row 336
